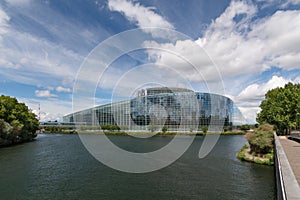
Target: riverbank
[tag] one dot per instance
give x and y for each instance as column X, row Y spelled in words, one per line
column 140, row 133
column 245, row 154
column 8, row 143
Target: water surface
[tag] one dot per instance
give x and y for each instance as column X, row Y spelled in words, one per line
column 59, row 167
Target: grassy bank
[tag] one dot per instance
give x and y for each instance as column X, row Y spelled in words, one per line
column 261, row 146
column 120, row 132
column 245, row 154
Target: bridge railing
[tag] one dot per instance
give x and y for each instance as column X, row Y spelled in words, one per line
column 287, row 185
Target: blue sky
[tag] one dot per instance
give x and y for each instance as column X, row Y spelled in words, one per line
column 255, row 45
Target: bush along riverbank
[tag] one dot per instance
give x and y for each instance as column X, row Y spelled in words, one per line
column 261, row 146
column 17, row 123
column 56, row 129
column 116, row 130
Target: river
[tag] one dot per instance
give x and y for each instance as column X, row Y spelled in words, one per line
column 59, row 167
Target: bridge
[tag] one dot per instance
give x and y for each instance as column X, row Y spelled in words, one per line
column 287, row 165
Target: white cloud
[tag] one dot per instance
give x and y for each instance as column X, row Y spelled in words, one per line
column 257, row 92
column 28, row 59
column 222, row 40
column 226, row 22
column 143, row 17
column 44, row 93
column 18, row 2
column 249, row 99
column 280, row 36
column 297, row 80
column 269, row 41
column 62, row 89
column 249, row 113
column 241, row 47
column 290, row 2
column 186, row 57
column 4, row 18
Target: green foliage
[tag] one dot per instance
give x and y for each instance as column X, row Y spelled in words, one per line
column 57, row 129
column 17, row 122
column 245, row 127
column 281, row 108
column 152, row 127
column 115, row 133
column 266, row 159
column 110, row 127
column 262, row 140
column 241, row 155
column 204, row 129
column 164, row 129
column 90, row 128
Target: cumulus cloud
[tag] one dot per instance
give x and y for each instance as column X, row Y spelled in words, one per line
column 257, row 92
column 62, row 89
column 240, row 45
column 271, row 41
column 44, row 93
column 184, row 56
column 249, row 99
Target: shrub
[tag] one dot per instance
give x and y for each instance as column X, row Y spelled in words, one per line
column 164, row 129
column 204, row 129
column 266, row 127
column 245, row 127
column 262, row 140
column 110, row 127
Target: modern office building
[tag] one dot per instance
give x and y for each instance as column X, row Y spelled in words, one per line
column 178, row 109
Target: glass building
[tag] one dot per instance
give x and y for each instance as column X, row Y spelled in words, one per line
column 178, row 109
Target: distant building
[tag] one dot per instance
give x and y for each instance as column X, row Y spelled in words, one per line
column 177, row 108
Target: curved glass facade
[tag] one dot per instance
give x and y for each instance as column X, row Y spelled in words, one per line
column 178, row 109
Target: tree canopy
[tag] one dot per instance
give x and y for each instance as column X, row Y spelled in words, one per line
column 281, row 108
column 17, row 122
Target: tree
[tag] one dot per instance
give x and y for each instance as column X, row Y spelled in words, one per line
column 164, row 129
column 17, row 122
column 280, row 108
column 204, row 129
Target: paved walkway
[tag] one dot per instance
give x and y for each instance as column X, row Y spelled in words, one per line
column 292, row 151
